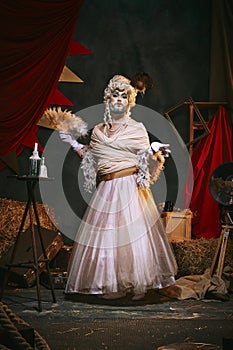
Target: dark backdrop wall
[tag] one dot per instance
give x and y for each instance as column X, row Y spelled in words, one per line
column 168, row 39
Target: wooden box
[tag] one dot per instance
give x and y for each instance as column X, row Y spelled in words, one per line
column 25, row 276
column 61, row 260
column 178, row 225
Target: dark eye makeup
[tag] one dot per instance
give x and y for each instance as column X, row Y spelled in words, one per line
column 117, row 93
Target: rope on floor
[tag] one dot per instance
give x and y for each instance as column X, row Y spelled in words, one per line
column 8, row 321
column 3, row 347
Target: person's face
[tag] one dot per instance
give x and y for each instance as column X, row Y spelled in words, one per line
column 119, row 102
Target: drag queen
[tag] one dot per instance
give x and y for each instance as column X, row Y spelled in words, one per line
column 121, row 245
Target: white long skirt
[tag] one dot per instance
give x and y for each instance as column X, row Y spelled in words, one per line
column 121, row 244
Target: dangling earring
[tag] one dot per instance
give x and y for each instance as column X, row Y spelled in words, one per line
column 107, row 115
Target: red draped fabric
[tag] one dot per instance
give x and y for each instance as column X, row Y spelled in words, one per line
column 207, row 156
column 35, row 39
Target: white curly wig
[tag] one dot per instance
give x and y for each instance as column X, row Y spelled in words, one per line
column 121, row 83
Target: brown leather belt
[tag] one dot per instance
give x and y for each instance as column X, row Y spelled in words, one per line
column 121, row 173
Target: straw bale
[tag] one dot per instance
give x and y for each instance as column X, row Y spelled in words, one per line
column 195, row 256
column 11, row 213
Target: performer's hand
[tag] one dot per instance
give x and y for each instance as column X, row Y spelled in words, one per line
column 66, row 137
column 162, row 147
column 81, row 152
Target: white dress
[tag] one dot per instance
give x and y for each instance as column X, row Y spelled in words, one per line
column 121, row 244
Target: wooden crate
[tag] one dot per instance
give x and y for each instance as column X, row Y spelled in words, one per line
column 178, row 225
column 23, row 274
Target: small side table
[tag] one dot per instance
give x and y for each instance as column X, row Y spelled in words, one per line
column 31, row 182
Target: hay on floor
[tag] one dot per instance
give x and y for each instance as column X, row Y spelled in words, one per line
column 11, row 214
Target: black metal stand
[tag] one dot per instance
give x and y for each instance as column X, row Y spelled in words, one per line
column 31, row 182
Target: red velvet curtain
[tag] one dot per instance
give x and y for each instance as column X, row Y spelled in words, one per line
column 208, row 154
column 35, row 38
